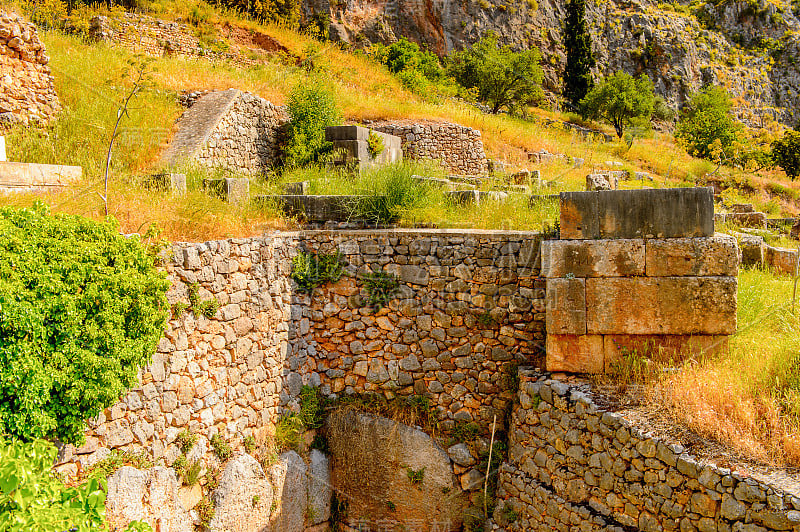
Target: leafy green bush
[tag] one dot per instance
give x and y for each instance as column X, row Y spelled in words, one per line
column 386, row 193
column 375, row 144
column 381, row 288
column 785, row 152
column 419, row 70
column 310, row 270
column 502, row 77
column 32, row 498
column 312, row 107
column 82, row 307
column 706, row 128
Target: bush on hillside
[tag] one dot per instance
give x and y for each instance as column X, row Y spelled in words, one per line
column 419, row 70
column 503, row 78
column 785, row 152
column 312, row 108
column 706, row 128
column 81, row 309
column 621, row 100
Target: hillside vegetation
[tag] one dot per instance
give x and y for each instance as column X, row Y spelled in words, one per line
column 748, row 398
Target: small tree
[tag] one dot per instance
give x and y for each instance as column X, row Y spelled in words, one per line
column 785, row 152
column 580, row 60
column 502, row 77
column 312, row 108
column 620, row 100
column 706, row 128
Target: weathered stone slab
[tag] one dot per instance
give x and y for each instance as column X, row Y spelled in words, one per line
column 315, row 208
column 779, row 259
column 659, row 348
column 175, row 183
column 566, row 306
column 748, row 219
column 661, row 305
column 647, row 213
column 596, row 258
column 149, row 495
column 34, row 175
column 234, row 190
column 575, row 354
column 717, row 255
column 243, row 498
column 300, row 188
column 579, row 215
column 602, row 182
column 353, row 141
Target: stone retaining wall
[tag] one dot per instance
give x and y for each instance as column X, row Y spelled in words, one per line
column 470, row 306
column 573, row 466
column 26, row 86
column 459, row 148
column 218, row 375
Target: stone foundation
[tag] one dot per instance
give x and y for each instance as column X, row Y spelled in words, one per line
column 573, row 466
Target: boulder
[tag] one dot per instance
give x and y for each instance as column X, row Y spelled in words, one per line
column 289, row 481
column 392, row 475
column 149, row 495
column 601, row 182
column 320, row 489
column 243, row 498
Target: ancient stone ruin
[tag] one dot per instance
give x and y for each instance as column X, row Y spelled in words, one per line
column 637, row 271
column 232, row 130
column 26, row 86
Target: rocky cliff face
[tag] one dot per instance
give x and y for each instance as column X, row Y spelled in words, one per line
column 748, row 46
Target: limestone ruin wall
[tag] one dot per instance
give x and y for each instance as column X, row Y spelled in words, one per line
column 27, row 94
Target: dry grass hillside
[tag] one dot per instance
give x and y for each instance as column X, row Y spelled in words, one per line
column 749, row 398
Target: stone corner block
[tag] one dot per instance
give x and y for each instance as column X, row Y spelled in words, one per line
column 692, row 257
column 566, row 306
column 593, row 258
column 575, row 353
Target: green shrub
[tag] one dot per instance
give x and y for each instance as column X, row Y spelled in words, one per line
column 785, row 152
column 249, row 443
column 288, row 431
column 312, row 407
column 186, row 441
column 32, row 498
column 386, row 194
column 381, row 287
column 81, row 309
column 221, row 448
column 312, row 107
column 706, row 128
column 375, row 144
column 621, row 100
column 310, row 270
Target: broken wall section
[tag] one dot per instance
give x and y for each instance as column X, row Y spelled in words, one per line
column 641, row 272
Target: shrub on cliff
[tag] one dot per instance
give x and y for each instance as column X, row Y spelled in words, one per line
column 502, row 77
column 312, row 108
column 785, row 152
column 81, row 309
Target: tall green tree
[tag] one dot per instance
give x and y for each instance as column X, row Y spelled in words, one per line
column 502, row 77
column 706, row 128
column 580, row 59
column 785, row 153
column 621, row 100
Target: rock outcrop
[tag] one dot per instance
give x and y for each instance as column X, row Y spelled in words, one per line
column 750, row 48
column 392, row 475
column 149, row 495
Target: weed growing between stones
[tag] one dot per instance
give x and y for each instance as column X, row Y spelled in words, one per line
column 311, row 416
column 249, row 443
column 188, row 472
column 116, row 459
column 415, row 476
column 205, row 510
column 205, row 308
column 381, row 287
column 310, row 270
column 374, row 144
column 465, row 432
column 186, row 441
column 221, row 448
column 414, row 411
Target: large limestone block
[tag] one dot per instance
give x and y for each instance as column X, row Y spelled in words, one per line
column 646, row 213
column 593, row 258
column 714, row 256
column 243, row 498
column 149, row 495
column 661, row 305
column 659, row 348
column 370, row 461
column 575, row 354
column 566, row 306
column 781, row 260
column 320, row 489
column 289, row 478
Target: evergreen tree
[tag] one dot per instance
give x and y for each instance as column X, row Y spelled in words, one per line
column 580, row 60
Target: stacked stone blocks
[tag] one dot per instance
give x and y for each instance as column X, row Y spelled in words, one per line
column 353, row 143
column 617, row 294
column 573, row 466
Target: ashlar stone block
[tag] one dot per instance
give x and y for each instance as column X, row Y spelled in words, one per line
column 566, row 306
column 660, row 348
column 593, row 258
column 574, row 353
column 714, row 256
column 661, row 305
